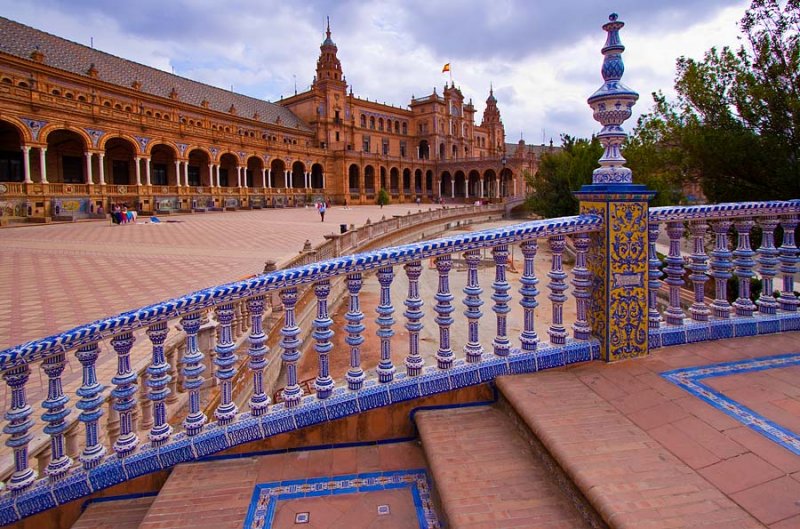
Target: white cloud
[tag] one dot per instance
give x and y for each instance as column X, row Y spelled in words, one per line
column 543, row 61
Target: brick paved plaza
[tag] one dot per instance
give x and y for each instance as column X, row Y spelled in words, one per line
column 60, row 276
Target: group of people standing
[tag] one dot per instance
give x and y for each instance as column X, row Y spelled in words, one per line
column 121, row 215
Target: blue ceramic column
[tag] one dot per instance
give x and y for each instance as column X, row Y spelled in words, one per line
column 528, row 292
column 582, row 282
column 698, row 266
column 192, row 374
column 653, row 277
column 259, row 400
column 789, row 264
column 413, row 314
column 225, row 359
column 501, row 343
column 56, row 412
column 767, row 265
column 158, row 382
column 323, row 334
column 443, row 308
column 385, row 321
column 124, row 394
column 674, row 313
column 557, row 286
column 19, row 422
column 91, row 406
column 473, row 348
column 617, row 258
column 355, row 375
column 721, row 267
column 743, row 267
column 292, row 393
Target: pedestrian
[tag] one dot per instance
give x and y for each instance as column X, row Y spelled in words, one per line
column 322, row 208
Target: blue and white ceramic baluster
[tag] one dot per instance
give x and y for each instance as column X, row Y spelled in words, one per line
column 292, row 393
column 259, row 400
column 653, row 276
column 744, row 265
column 674, row 314
column 443, row 308
column 721, row 268
column 55, row 413
column 473, row 350
column 225, row 359
column 582, row 282
column 158, row 382
column 698, row 266
column 501, row 344
column 413, row 314
column 19, row 422
column 557, row 286
column 91, row 405
column 323, row 334
column 124, row 394
column 768, row 265
column 385, row 321
column 529, row 340
column 192, row 374
column 355, row 332
column 789, row 264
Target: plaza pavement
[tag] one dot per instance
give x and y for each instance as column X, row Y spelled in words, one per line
column 55, row 277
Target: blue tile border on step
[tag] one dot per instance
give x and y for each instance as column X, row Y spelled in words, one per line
column 690, row 379
column 263, row 503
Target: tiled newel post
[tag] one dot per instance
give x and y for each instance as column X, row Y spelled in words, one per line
column 618, row 254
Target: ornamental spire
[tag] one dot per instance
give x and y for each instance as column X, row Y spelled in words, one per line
column 612, row 105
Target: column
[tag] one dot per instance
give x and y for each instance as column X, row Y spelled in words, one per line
column 269, row 178
column 744, row 266
column 557, row 286
column 26, row 163
column 322, row 335
column 292, row 393
column 354, row 328
column 473, row 350
column 178, row 172
column 43, row 163
column 148, row 181
column 619, row 293
column 192, row 378
column 385, row 321
column 501, row 343
column 263, row 177
column 789, row 260
column 481, row 182
column 444, row 309
column 286, row 182
column 528, row 338
column 186, row 172
column 257, row 352
column 158, row 383
column 210, row 175
column 17, row 428
column 698, row 268
column 413, row 314
column 89, row 176
column 238, row 176
column 138, row 162
column 91, row 406
column 124, row 394
column 102, row 166
column 244, row 177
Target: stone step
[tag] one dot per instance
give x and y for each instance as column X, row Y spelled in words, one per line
column 116, row 514
column 486, row 474
column 626, row 476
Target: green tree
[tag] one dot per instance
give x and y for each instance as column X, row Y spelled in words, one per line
column 735, row 125
column 383, row 197
column 561, row 173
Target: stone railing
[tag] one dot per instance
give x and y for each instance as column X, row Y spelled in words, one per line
column 399, row 379
column 711, row 258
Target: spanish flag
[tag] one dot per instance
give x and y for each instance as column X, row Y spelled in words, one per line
column 446, row 68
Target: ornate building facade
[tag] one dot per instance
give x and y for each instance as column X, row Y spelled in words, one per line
column 81, row 129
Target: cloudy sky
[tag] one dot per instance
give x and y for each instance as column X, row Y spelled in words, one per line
column 543, row 58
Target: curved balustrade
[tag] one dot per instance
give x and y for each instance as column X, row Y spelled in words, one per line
column 102, row 464
column 712, row 258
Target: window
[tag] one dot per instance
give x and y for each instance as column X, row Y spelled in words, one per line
column 385, row 147
column 363, row 121
column 403, row 149
column 405, row 128
column 194, row 175
column 337, row 136
column 72, row 168
column 372, row 122
column 158, row 175
column 11, row 166
column 366, row 144
column 249, row 177
column 336, row 118
column 223, row 177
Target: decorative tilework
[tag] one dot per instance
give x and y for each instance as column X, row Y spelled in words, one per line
column 263, row 504
column 691, row 378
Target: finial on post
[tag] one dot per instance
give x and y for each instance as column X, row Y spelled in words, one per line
column 612, row 105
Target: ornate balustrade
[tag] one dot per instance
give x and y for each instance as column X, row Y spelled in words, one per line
column 141, row 396
column 712, row 258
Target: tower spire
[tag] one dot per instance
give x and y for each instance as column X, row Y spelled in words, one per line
column 328, row 31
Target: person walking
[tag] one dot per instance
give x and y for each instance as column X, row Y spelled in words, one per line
column 322, row 209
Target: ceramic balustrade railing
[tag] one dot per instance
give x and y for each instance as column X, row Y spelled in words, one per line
column 484, row 358
column 710, row 229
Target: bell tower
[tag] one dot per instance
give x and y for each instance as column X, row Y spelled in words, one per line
column 494, row 125
column 330, row 94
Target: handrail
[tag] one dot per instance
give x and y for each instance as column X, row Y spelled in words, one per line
column 145, row 316
column 725, row 210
